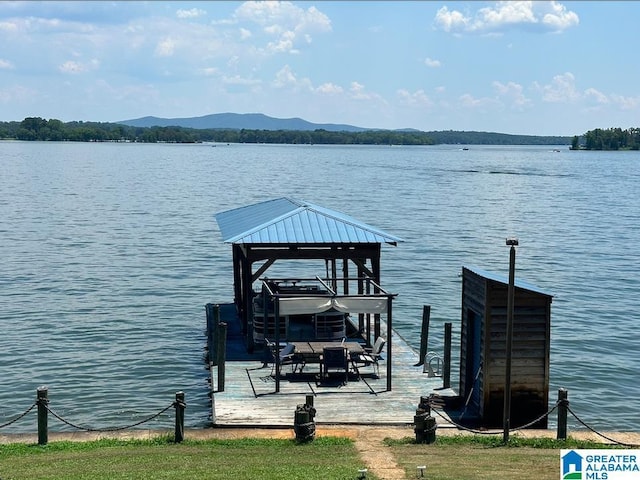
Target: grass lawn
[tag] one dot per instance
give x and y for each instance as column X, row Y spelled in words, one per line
column 324, row 458
column 483, row 458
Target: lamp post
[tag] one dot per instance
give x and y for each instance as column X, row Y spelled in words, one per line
column 506, row 419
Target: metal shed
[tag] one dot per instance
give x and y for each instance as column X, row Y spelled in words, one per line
column 289, row 229
column 483, row 350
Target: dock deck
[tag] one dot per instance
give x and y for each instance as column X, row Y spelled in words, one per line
column 250, row 398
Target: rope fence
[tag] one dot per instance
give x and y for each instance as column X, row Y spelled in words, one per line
column 562, row 406
column 426, row 429
column 42, row 405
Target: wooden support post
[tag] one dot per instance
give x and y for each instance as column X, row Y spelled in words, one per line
column 179, row 406
column 43, row 427
column 424, row 336
column 563, row 404
column 221, row 353
column 446, row 370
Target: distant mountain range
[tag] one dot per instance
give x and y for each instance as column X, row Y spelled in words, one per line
column 259, row 121
column 239, row 121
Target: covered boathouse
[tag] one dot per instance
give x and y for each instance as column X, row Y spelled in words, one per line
column 302, row 307
column 483, row 350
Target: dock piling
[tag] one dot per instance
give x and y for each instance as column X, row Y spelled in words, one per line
column 424, row 336
column 446, row 373
column 221, row 353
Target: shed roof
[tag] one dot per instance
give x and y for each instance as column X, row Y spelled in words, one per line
column 288, row 221
column 503, row 279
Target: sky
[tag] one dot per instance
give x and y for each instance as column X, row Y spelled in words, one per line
column 532, row 68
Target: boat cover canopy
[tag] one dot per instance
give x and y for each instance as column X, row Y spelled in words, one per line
column 288, row 221
column 319, row 304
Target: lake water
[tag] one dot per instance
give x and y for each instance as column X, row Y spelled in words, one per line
column 110, row 252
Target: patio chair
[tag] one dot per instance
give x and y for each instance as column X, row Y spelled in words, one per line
column 335, row 358
column 371, row 357
column 286, row 356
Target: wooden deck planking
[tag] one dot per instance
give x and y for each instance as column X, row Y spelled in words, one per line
column 250, row 399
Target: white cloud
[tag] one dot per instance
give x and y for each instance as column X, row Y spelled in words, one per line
column 525, row 15
column 559, row 18
column 210, row 71
column 357, row 91
column 165, row 48
column 8, row 27
column 286, row 22
column 562, row 89
column 470, row 102
column 596, row 96
column 512, row 93
column 5, row 64
column 429, row 62
column 451, row 20
column 245, row 34
column 74, row 67
column 416, row 99
column 238, row 80
column 283, row 44
column 285, row 78
column 626, row 103
column 329, row 89
column 192, row 13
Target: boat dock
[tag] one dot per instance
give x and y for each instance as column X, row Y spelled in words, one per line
column 250, row 398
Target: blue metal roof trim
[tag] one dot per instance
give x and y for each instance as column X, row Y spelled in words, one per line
column 502, row 279
column 285, row 220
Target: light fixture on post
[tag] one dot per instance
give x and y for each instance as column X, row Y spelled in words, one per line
column 506, row 418
column 421, row 469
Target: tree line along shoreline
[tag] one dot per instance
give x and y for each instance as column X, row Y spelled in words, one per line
column 40, row 129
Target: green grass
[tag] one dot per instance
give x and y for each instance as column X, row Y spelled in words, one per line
column 479, row 457
column 461, row 457
column 324, row 458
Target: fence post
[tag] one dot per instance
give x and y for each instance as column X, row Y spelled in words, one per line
column 180, row 406
column 563, row 405
column 42, row 401
column 446, row 372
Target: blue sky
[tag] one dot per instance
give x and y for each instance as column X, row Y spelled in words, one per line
column 538, row 68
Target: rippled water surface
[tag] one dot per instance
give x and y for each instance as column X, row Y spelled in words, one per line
column 110, row 252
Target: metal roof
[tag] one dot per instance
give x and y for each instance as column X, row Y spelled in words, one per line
column 288, row 221
column 502, row 279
